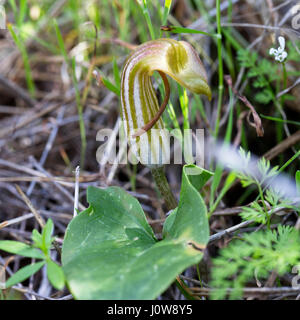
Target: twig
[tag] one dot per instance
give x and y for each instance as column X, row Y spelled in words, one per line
column 76, row 193
column 17, row 91
column 238, row 137
column 223, row 233
column 248, row 291
column 67, row 181
column 228, row 211
column 38, row 218
column 12, row 110
column 260, row 26
column 120, row 42
column 33, row 116
column 281, row 93
column 15, row 220
column 31, row 292
column 64, row 191
column 26, row 216
column 257, row 121
column 69, row 97
column 283, row 145
column 48, row 146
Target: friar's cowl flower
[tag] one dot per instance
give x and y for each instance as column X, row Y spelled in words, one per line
column 279, row 53
column 140, row 109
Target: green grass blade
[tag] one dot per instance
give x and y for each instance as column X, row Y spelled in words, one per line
column 116, row 73
column 55, row 275
column 60, row 41
column 24, row 273
column 21, row 46
column 228, row 183
column 298, row 180
column 21, row 249
column 175, row 29
column 167, row 8
column 71, row 63
column 297, row 123
column 109, row 85
column 146, row 13
column 22, row 13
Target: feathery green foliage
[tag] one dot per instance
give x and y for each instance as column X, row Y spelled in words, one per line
column 254, row 255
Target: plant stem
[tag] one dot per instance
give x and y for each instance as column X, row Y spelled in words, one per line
column 264, row 205
column 296, row 155
column 164, row 187
column 148, row 18
column 220, row 61
column 80, row 115
column 199, row 275
column 284, row 81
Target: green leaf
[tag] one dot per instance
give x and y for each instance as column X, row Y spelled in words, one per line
column 110, row 86
column 257, row 253
column 297, row 123
column 22, row 12
column 24, row 273
column 246, row 58
column 175, row 29
column 190, row 221
column 55, row 275
column 169, row 222
column 255, row 212
column 37, row 238
column 116, row 73
column 46, row 235
column 264, row 96
column 228, row 183
column 298, row 180
column 166, row 11
column 110, row 251
column 260, row 82
column 20, row 249
column 21, row 46
column 60, row 41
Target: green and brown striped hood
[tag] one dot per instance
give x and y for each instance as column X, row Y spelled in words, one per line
column 140, row 108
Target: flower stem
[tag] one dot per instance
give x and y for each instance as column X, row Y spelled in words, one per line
column 220, row 61
column 146, row 13
column 164, row 187
column 264, row 205
column 284, row 82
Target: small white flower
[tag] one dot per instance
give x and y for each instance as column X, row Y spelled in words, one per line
column 280, row 54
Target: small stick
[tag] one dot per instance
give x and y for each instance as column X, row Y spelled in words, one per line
column 257, row 121
column 288, row 89
column 248, row 290
column 62, row 189
column 38, row 218
column 15, row 220
column 120, row 42
column 49, row 145
column 30, row 118
column 15, row 90
column 282, row 146
column 76, row 193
